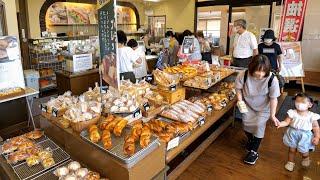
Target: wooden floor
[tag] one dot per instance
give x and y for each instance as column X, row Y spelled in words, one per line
column 223, row 159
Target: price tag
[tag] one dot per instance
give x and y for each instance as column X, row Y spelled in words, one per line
column 173, row 87
column 173, row 143
column 201, row 121
column 149, row 78
column 223, row 103
column 104, row 88
column 55, row 112
column 209, row 107
column 136, row 113
column 43, row 107
column 146, row 106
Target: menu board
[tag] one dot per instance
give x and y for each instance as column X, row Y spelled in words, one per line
column 187, row 44
column 292, row 61
column 71, row 13
column 108, row 42
column 11, row 72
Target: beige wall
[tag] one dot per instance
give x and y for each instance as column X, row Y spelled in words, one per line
column 179, row 14
column 311, row 37
column 34, row 7
column 11, row 16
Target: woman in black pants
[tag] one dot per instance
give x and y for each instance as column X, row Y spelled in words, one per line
column 258, row 89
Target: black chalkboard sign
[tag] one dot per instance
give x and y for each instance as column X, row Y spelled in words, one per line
column 108, row 41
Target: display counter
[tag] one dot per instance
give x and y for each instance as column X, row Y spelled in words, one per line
column 78, row 82
column 166, row 157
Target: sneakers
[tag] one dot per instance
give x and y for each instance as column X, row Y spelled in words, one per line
column 289, row 166
column 305, row 162
column 251, row 157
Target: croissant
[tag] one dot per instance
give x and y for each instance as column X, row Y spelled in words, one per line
column 129, row 145
column 92, row 128
column 165, row 137
column 119, row 127
column 111, row 125
column 94, row 134
column 145, row 137
column 106, row 121
column 182, row 127
column 106, row 139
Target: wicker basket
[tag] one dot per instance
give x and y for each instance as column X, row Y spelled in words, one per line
column 79, row 126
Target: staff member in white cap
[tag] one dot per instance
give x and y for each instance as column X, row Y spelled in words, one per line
column 245, row 44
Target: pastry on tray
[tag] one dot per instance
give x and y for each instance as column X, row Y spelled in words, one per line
column 94, row 134
column 48, row 162
column 36, row 134
column 61, row 171
column 119, row 127
column 45, row 154
column 145, row 137
column 74, row 166
column 33, row 160
column 8, row 147
column 129, row 145
column 106, row 139
column 17, row 156
column 92, row 176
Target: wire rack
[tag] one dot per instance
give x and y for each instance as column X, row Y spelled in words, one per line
column 24, row 172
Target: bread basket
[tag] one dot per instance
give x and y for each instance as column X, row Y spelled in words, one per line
column 79, row 126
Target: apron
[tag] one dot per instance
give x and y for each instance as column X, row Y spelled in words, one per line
column 256, row 96
column 255, row 122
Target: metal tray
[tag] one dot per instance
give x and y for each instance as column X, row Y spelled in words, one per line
column 182, row 136
column 117, row 147
column 24, row 172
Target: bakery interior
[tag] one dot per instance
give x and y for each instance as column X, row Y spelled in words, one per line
column 62, row 120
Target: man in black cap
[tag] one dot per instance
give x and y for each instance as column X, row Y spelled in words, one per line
column 272, row 50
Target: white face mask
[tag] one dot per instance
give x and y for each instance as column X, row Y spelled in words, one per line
column 268, row 41
column 302, row 106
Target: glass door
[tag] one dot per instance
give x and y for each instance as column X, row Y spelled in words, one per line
column 213, row 21
column 257, row 18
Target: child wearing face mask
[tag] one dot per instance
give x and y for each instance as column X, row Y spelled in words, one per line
column 272, row 50
column 299, row 136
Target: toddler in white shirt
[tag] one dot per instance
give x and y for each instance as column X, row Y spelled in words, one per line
column 299, row 136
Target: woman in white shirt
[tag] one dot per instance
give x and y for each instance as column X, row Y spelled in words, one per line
column 128, row 59
column 141, row 70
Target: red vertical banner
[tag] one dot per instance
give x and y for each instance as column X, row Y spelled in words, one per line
column 292, row 19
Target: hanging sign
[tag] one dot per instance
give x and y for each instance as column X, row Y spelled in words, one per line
column 108, row 42
column 292, row 61
column 292, row 20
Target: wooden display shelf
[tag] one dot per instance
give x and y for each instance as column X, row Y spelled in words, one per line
column 98, row 160
column 198, row 151
column 210, row 120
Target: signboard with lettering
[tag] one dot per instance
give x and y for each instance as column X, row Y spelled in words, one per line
column 82, row 62
column 11, row 72
column 292, row 61
column 292, row 20
column 108, row 41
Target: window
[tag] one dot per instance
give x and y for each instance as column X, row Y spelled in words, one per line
column 3, row 25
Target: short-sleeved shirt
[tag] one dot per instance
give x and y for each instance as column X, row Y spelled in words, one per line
column 127, row 57
column 302, row 122
column 244, row 44
column 272, row 52
column 196, row 54
column 256, row 93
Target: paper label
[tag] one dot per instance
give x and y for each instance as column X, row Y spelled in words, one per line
column 173, row 87
column 13, row 53
column 201, row 121
column 43, row 107
column 146, row 106
column 55, row 112
column 173, row 143
column 136, row 113
column 209, row 108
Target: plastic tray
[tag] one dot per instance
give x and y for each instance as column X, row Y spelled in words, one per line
column 117, row 147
